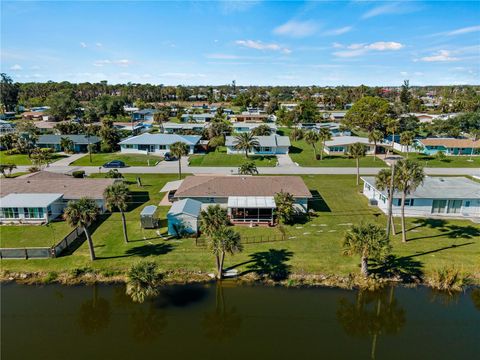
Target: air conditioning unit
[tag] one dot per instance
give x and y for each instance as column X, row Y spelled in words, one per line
column 372, row 202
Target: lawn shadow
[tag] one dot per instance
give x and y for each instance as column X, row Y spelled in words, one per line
column 295, row 150
column 454, row 232
column 271, row 264
column 430, row 223
column 404, row 268
column 453, row 246
column 138, row 198
column 144, row 251
column 318, row 203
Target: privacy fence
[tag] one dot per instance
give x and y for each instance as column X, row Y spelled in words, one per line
column 42, row 252
column 245, row 240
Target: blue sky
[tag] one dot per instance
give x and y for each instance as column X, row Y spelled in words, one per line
column 255, row 43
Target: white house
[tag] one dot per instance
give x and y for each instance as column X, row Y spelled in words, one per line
column 341, row 144
column 268, row 145
column 173, row 128
column 157, row 143
column 183, row 217
column 436, row 197
column 242, row 127
column 335, row 128
column 199, row 118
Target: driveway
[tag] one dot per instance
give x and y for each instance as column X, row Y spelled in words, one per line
column 67, row 160
column 284, row 160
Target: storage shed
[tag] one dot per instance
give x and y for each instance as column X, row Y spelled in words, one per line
column 183, row 217
column 148, row 217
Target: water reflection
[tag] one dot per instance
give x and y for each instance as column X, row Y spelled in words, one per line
column 475, row 295
column 94, row 313
column 224, row 322
column 371, row 314
column 147, row 324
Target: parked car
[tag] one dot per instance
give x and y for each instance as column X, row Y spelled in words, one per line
column 169, row 157
column 114, row 164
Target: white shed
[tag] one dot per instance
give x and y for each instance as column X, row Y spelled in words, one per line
column 183, row 217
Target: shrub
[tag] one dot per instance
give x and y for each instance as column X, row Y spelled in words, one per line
column 216, row 142
column 50, row 277
column 79, row 174
column 114, row 174
column 448, row 279
column 33, row 169
column 80, row 271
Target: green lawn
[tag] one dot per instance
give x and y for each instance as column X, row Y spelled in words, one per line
column 312, row 247
column 449, row 162
column 22, row 159
column 221, row 158
column 99, row 159
column 33, row 235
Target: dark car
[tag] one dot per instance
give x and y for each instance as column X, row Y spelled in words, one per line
column 114, row 164
column 169, row 157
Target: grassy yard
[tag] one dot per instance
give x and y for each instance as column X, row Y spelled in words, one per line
column 99, row 159
column 221, row 158
column 314, row 246
column 33, row 235
column 449, row 162
column 22, row 159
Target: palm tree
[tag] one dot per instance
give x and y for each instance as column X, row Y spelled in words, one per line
column 311, row 138
column 179, row 149
column 117, row 196
column 142, row 281
column 357, row 151
column 392, row 127
column 82, row 213
column 324, row 135
column 285, row 209
column 248, row 168
column 66, row 144
column 406, row 138
column 224, row 240
column 262, row 130
column 245, row 142
column 385, row 182
column 369, row 241
column 375, row 136
column 475, row 135
column 212, row 219
column 408, row 176
column 297, row 134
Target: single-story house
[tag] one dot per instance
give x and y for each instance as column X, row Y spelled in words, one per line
column 200, row 118
column 288, row 106
column 338, row 115
column 80, row 142
column 449, row 146
column 253, row 117
column 341, row 145
column 183, row 217
column 173, row 128
column 41, row 197
column 246, row 198
column 437, row 196
column 6, row 127
column 335, row 128
column 144, row 115
column 157, row 143
column 242, row 127
column 213, row 110
column 268, row 145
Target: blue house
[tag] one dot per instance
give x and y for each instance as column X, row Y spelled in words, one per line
column 80, row 142
column 449, row 146
column 144, row 115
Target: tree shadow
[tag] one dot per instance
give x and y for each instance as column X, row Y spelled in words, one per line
column 453, row 246
column 295, row 150
column 144, row 251
column 138, row 198
column 454, row 232
column 430, row 223
column 318, row 203
column 180, row 296
column 271, row 264
column 403, row 268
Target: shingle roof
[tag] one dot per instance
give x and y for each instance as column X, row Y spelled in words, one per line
column 186, row 206
column 440, row 188
column 224, row 186
column 450, row 142
column 265, row 141
column 161, row 139
column 77, row 139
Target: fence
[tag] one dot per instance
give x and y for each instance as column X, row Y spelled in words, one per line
column 41, row 252
column 251, row 239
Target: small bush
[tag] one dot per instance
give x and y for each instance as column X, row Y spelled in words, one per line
column 33, row 169
column 51, row 277
column 80, row 271
column 448, row 279
column 79, row 174
column 114, row 174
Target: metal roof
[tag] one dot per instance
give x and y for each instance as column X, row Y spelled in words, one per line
column 77, row 139
column 161, row 139
column 437, row 187
column 349, row 140
column 171, row 185
column 252, row 202
column 186, row 206
column 148, row 210
column 29, row 200
column 264, row 141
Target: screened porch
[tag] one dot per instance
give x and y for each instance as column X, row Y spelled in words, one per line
column 251, row 209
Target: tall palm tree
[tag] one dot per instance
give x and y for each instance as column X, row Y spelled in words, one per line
column 82, row 213
column 248, row 168
column 408, row 176
column 311, row 138
column 357, row 151
column 406, row 138
column 66, row 144
column 375, row 136
column 245, row 142
column 224, row 240
column 262, row 130
column 179, row 149
column 369, row 241
column 117, row 196
column 325, row 135
column 384, row 182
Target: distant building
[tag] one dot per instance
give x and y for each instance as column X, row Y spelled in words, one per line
column 449, row 146
column 242, row 127
column 144, row 115
column 253, row 117
column 268, row 145
column 335, row 128
column 157, row 143
column 80, row 142
column 200, row 118
column 6, row 127
column 340, row 145
column 175, row 128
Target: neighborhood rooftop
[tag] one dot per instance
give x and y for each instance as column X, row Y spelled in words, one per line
column 225, row 186
column 28, row 200
column 161, row 139
column 451, row 142
column 264, row 141
column 77, row 139
column 186, row 206
column 348, row 140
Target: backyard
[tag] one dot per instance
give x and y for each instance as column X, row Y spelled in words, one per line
column 313, row 246
column 23, row 159
column 221, row 158
column 98, row 159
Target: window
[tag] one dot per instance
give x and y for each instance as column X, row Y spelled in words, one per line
column 162, row 147
column 467, row 203
column 10, row 213
column 454, row 206
column 33, row 213
column 267, row 149
column 438, row 206
column 128, row 146
column 409, row 202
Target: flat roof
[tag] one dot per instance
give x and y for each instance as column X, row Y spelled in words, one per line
column 265, row 141
column 29, row 200
column 252, row 202
column 171, row 185
column 349, row 140
column 186, row 206
column 148, row 210
column 161, row 139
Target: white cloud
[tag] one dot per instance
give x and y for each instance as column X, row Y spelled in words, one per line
column 360, row 49
column 83, row 45
column 339, row 31
column 403, row 73
column 34, row 67
column 337, row 45
column 258, row 45
column 121, row 62
column 295, row 28
column 390, row 8
column 440, row 56
column 16, row 67
column 464, row 30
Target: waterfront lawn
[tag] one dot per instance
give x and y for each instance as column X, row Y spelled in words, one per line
column 22, row 159
column 221, row 158
column 449, row 162
column 20, row 236
column 98, row 159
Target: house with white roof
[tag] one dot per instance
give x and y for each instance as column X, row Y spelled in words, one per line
column 157, row 143
column 245, row 127
column 340, row 145
column 183, row 217
column 268, row 145
column 174, row 128
column 199, row 118
column 457, row 197
column 335, row 128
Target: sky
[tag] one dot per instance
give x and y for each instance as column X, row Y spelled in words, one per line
column 324, row 43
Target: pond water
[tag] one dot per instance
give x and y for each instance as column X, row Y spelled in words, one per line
column 237, row 322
